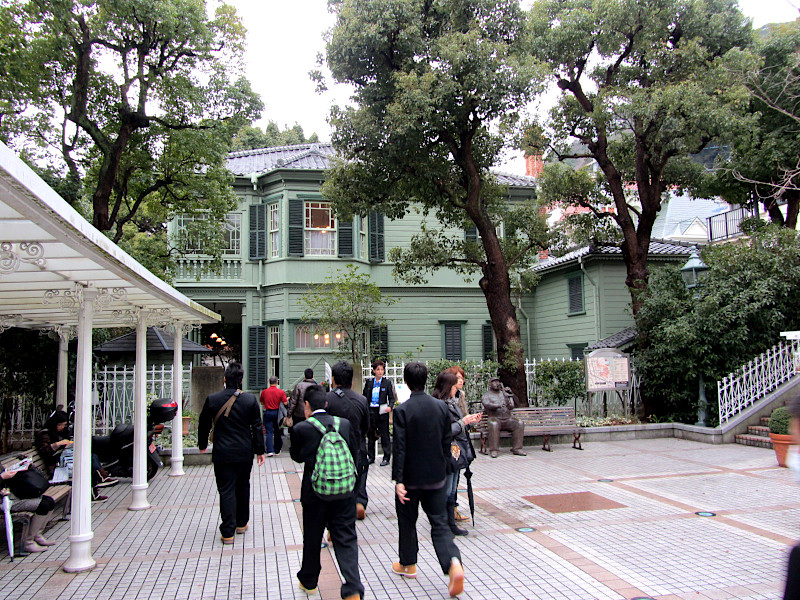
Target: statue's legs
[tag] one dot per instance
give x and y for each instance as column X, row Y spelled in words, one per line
column 517, row 430
column 494, row 437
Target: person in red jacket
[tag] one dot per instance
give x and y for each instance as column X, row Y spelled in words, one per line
column 271, row 399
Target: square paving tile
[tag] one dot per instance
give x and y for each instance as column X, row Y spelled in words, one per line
column 575, row 502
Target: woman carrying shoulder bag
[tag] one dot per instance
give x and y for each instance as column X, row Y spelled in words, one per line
column 461, row 449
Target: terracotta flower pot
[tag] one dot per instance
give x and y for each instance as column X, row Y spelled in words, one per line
column 781, row 445
column 186, row 422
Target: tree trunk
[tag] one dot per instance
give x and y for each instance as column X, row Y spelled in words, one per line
column 792, row 198
column 101, row 199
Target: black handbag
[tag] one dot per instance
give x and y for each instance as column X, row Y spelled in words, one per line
column 30, row 483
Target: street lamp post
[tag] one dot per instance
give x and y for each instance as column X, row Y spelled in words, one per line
column 694, row 271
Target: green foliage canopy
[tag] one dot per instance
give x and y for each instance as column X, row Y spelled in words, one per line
column 136, row 102
column 250, row 138
column 347, row 302
column 749, row 296
column 438, row 87
column 644, row 86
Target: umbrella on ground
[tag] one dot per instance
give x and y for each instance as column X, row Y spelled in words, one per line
column 9, row 526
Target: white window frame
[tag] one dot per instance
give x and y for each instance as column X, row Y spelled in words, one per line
column 363, row 240
column 315, row 341
column 274, row 225
column 309, row 232
column 233, row 232
column 274, row 349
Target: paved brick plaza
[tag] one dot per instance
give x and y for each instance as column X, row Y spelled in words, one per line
column 636, row 536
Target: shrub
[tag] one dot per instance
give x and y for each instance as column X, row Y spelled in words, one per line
column 779, row 421
column 559, row 383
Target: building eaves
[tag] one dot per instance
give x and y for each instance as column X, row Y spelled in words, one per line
column 616, row 340
column 657, row 248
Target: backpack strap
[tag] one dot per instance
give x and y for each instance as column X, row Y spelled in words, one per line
column 322, row 428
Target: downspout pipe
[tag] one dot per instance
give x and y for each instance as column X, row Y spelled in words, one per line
column 596, row 298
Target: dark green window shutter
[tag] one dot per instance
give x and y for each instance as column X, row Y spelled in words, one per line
column 258, row 231
column 345, row 239
column 471, row 234
column 488, row 342
column 575, row 292
column 377, row 252
column 379, row 341
column 576, row 352
column 296, row 216
column 452, row 341
column 256, row 357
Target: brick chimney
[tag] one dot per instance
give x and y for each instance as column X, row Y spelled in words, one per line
column 544, row 254
column 534, row 165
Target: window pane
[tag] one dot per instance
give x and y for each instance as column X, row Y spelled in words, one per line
column 320, row 243
column 302, row 337
column 233, row 233
column 274, row 231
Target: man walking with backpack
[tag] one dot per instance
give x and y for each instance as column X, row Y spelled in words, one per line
column 324, row 444
column 420, row 466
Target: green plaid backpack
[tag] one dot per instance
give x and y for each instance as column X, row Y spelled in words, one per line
column 334, row 475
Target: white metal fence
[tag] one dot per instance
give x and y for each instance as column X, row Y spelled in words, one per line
column 112, row 392
column 756, row 379
column 623, row 402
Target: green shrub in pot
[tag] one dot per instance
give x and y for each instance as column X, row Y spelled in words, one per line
column 779, row 421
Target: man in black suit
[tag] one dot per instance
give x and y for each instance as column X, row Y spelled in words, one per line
column 379, row 392
column 344, row 402
column 237, row 436
column 338, row 515
column 422, row 461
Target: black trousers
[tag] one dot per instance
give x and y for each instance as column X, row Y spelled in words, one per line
column 378, row 427
column 233, row 485
column 339, row 516
column 792, row 591
column 361, row 485
column 434, row 503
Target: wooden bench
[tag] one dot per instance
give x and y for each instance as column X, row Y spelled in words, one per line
column 60, row 493
column 540, row 420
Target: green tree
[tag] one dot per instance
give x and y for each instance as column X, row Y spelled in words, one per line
column 643, row 87
column 139, row 100
column 250, row 138
column 347, row 302
column 438, row 87
column 748, row 297
column 764, row 161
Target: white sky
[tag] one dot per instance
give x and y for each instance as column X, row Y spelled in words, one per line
column 284, row 38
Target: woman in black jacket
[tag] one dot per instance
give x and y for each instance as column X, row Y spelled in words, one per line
column 461, row 449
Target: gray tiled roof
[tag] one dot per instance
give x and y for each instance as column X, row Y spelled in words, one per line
column 657, row 248
column 157, row 341
column 616, row 340
column 316, row 156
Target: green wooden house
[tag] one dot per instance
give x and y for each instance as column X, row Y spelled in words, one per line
column 284, row 236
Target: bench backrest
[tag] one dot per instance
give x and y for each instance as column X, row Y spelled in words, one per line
column 542, row 416
column 13, row 458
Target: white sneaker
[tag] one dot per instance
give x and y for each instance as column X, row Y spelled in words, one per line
column 270, row 454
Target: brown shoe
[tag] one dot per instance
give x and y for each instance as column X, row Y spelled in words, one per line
column 309, row 591
column 456, row 586
column 241, row 530
column 227, row 541
column 460, row 517
column 409, row 571
column 361, row 512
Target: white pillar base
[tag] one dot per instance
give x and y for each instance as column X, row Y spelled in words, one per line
column 80, row 554
column 139, row 497
column 176, row 466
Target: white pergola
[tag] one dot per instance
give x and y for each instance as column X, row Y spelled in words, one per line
column 59, row 273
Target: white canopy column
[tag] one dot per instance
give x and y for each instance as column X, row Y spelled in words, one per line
column 176, row 461
column 80, row 539
column 139, row 487
column 64, row 335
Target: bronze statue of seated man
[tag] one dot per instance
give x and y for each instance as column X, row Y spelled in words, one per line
column 497, row 404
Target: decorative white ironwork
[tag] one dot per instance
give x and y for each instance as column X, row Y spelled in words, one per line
column 754, row 380
column 71, row 300
column 56, row 332
column 9, row 321
column 112, row 392
column 11, row 260
column 181, row 328
column 157, row 317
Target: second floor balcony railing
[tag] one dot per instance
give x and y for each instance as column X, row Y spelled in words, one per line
column 198, row 269
column 728, row 224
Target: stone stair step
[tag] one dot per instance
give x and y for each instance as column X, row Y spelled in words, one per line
column 754, row 440
column 765, row 421
column 758, row 430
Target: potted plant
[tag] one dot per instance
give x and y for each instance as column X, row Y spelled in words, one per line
column 189, row 418
column 779, row 433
